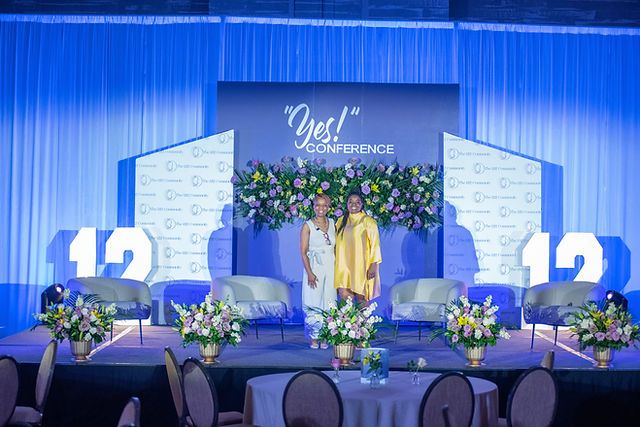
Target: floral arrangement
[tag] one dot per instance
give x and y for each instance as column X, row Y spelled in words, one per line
column 603, row 328
column 415, row 366
column 348, row 323
column 394, row 195
column 210, row 322
column 473, row 325
column 80, row 320
column 373, row 360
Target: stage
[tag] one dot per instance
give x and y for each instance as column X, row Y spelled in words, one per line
column 92, row 393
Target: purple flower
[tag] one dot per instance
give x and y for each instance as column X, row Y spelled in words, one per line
column 354, row 160
column 279, row 189
column 389, row 206
column 252, row 185
column 350, row 173
column 329, row 169
column 273, row 181
column 297, row 183
column 436, row 194
column 414, row 181
column 488, row 333
column 365, row 189
column 269, row 202
column 600, row 336
column 381, row 168
column 300, row 196
column 319, row 162
column 234, row 179
column 395, row 192
column 338, row 212
column 293, row 208
column 257, row 204
column 394, row 218
column 255, row 163
column 302, row 171
column 306, row 202
column 416, row 197
column 359, row 172
column 272, row 192
column 455, row 338
column 417, row 225
column 325, row 185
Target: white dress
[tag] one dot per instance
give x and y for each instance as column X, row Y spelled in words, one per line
column 322, row 259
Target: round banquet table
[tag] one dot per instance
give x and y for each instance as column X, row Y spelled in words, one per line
column 395, row 403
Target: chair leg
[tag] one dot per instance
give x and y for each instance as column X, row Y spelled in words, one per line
column 255, row 324
column 419, row 331
column 555, row 339
column 533, row 331
column 395, row 335
column 140, row 328
column 282, row 329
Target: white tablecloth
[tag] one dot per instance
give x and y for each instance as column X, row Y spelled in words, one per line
column 395, row 404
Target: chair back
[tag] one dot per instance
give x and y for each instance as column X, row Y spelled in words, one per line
column 45, row 375
column 533, row 400
column 8, row 388
column 130, row 416
column 548, row 360
column 199, row 394
column 453, row 391
column 312, row 399
column 175, row 381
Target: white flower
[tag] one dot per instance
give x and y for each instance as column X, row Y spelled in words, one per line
column 347, row 166
column 74, row 318
column 421, row 363
column 67, row 325
column 292, row 200
column 199, row 317
column 205, row 332
column 300, row 162
column 352, row 334
column 343, row 181
column 88, row 337
column 235, row 326
column 477, row 334
column 93, row 330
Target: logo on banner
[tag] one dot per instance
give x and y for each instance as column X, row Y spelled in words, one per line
column 323, row 136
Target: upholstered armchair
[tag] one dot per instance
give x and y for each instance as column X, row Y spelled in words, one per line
column 258, row 297
column 423, row 300
column 131, row 297
column 552, row 303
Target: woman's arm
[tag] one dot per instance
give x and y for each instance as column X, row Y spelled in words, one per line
column 304, row 248
column 374, row 257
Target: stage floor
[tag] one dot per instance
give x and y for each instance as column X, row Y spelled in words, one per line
column 268, row 351
column 94, row 392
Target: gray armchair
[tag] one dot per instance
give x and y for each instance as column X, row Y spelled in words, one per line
column 258, row 297
column 552, row 303
column 423, row 300
column 131, row 297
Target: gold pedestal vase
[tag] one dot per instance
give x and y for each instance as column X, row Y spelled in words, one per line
column 210, row 352
column 344, row 352
column 475, row 355
column 603, row 356
column 80, row 350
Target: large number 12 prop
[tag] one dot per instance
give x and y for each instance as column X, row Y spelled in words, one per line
column 83, row 251
column 535, row 255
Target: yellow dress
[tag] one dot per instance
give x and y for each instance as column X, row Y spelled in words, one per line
column 357, row 247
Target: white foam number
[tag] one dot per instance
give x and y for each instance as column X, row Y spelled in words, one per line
column 535, row 255
column 84, row 247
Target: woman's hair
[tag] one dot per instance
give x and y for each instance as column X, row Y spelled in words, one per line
column 345, row 218
column 322, row 196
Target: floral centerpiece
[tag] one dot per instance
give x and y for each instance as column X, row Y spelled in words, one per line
column 373, row 362
column 474, row 326
column 211, row 324
column 604, row 329
column 394, row 195
column 82, row 320
column 347, row 324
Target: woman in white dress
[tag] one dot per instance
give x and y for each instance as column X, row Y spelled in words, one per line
column 317, row 245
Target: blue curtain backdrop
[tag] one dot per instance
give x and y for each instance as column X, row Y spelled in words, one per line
column 79, row 93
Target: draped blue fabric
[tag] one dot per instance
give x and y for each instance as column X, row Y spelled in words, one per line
column 79, row 93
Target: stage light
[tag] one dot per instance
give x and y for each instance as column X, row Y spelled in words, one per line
column 54, row 294
column 616, row 298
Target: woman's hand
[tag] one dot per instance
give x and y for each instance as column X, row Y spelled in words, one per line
column 312, row 280
column 371, row 271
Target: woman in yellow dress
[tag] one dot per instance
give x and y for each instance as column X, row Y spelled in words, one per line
column 357, row 253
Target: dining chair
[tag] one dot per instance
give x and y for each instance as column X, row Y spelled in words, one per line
column 200, row 396
column 533, row 400
column 34, row 415
column 130, row 416
column 8, row 388
column 449, row 401
column 312, row 399
column 174, row 375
